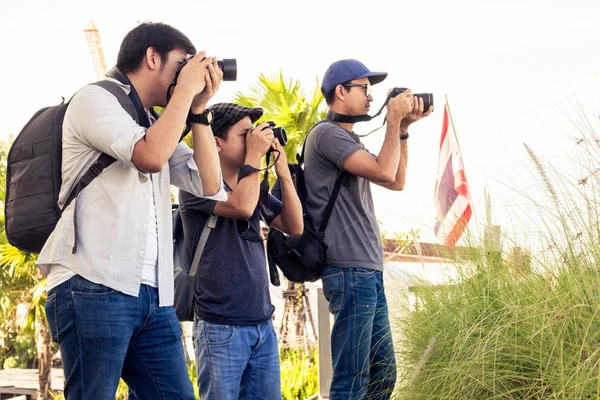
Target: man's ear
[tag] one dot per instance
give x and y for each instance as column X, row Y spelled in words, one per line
column 340, row 92
column 152, row 58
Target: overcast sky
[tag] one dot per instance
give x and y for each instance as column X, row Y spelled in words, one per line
column 511, row 70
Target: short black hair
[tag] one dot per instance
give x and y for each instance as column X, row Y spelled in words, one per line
column 330, row 97
column 161, row 37
column 224, row 134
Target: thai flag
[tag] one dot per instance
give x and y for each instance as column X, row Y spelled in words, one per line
column 452, row 200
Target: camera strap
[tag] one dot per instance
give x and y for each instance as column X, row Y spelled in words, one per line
column 351, row 119
column 246, row 170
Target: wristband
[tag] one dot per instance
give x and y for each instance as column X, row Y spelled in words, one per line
column 245, row 171
column 404, row 137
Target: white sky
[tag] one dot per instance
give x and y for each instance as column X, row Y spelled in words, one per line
column 511, row 70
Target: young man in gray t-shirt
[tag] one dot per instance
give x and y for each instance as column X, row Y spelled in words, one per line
column 361, row 344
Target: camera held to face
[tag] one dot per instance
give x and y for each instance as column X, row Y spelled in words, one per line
column 227, row 65
column 427, row 97
column 279, row 133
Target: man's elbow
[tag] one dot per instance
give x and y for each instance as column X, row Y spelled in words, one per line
column 296, row 230
column 243, row 211
column 148, row 166
column 147, row 161
column 211, row 188
column 397, row 186
column 386, row 177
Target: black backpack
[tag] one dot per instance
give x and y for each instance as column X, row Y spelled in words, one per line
column 301, row 258
column 33, row 174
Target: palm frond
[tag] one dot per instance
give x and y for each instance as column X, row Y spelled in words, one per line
column 285, row 103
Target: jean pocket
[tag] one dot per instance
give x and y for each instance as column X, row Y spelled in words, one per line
column 51, row 317
column 218, row 334
column 333, row 290
column 87, row 288
column 365, row 272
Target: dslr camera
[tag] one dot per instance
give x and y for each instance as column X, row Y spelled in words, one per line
column 279, row 134
column 427, row 97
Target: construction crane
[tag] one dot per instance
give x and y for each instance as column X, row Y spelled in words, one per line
column 95, row 46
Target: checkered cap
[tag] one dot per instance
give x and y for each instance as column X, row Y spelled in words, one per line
column 225, row 115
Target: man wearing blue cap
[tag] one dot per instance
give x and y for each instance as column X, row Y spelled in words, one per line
column 361, row 344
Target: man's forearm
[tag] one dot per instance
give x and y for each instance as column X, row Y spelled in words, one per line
column 388, row 157
column 206, row 158
column 400, row 178
column 291, row 209
column 163, row 136
column 402, row 165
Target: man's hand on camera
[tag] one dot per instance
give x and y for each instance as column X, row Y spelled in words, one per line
column 258, row 141
column 192, row 77
column 416, row 113
column 281, row 166
column 213, row 80
column 399, row 107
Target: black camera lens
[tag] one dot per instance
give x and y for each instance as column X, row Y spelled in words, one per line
column 427, row 100
column 279, row 133
column 427, row 97
column 229, row 68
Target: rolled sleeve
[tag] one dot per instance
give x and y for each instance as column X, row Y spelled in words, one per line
column 184, row 174
column 123, row 146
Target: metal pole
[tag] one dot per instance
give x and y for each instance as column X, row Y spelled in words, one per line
column 325, row 369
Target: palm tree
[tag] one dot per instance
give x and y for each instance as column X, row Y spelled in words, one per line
column 285, row 104
column 23, row 291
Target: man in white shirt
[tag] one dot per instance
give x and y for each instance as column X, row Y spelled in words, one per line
column 110, row 296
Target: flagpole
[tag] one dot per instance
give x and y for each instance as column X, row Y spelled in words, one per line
column 461, row 157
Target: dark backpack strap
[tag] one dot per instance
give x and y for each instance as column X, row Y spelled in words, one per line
column 336, row 187
column 105, row 160
column 300, row 158
column 334, row 194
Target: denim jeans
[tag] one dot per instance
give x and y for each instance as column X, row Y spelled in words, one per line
column 237, row 362
column 362, row 351
column 104, row 334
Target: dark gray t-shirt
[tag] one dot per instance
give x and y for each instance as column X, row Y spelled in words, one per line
column 353, row 234
column 232, row 284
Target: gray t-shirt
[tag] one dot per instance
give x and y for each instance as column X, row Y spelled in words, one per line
column 353, row 234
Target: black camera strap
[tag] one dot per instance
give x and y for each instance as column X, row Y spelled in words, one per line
column 351, row 119
column 336, row 117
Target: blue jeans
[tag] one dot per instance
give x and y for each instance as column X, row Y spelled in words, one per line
column 237, row 362
column 362, row 351
column 104, row 334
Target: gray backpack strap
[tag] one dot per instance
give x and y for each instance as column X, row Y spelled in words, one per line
column 210, row 224
column 122, row 97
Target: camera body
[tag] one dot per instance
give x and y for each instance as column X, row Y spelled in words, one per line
column 279, row 133
column 427, row 97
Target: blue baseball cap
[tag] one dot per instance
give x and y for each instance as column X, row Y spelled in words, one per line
column 347, row 70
